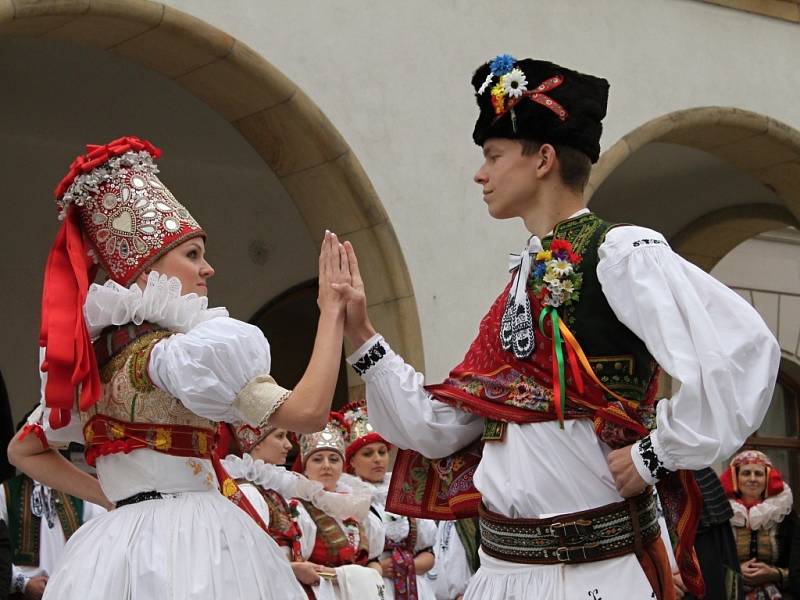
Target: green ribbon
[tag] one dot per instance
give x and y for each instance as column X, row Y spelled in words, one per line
column 559, row 354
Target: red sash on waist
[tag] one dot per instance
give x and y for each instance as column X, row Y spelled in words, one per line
column 105, row 435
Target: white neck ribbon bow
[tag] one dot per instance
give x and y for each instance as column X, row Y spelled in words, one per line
column 516, row 327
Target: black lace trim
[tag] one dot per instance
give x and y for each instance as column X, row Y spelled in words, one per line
column 651, row 460
column 370, row 358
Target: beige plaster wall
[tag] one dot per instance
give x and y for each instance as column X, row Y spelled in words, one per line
column 394, row 80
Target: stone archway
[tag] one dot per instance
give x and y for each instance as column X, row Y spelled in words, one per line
column 296, row 141
column 758, row 147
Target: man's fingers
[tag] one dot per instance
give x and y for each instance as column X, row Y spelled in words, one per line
column 352, row 263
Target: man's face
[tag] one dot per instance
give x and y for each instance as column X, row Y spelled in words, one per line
column 507, row 177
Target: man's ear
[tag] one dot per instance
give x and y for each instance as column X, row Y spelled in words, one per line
column 547, row 159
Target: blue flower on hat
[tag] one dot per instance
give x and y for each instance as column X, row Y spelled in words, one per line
column 502, row 64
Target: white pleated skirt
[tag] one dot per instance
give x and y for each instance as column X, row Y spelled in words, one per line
column 193, row 544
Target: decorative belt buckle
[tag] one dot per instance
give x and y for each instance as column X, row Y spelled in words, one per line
column 564, row 558
column 578, row 527
column 566, row 551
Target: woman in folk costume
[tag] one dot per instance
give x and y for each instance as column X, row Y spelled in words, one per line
column 259, row 472
column 349, row 539
column 144, row 400
column 764, row 525
column 408, row 549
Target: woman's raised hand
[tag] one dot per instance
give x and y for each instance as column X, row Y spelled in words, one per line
column 341, row 286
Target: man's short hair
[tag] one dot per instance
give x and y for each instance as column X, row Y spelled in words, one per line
column 575, row 166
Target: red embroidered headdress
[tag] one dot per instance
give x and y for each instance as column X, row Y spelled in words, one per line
column 730, row 477
column 115, row 213
column 361, row 431
column 248, row 436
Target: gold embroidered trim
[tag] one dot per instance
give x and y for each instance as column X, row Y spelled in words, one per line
column 612, row 365
column 138, row 345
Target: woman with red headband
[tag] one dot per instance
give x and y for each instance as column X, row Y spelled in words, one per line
column 763, row 524
column 140, row 370
column 408, row 547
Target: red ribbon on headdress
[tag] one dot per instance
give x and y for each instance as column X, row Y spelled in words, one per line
column 69, row 361
column 539, row 96
column 97, row 155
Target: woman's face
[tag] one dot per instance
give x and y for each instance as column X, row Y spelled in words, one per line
column 325, row 466
column 752, row 481
column 273, row 449
column 371, row 461
column 188, row 263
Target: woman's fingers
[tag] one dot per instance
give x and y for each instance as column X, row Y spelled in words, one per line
column 324, row 255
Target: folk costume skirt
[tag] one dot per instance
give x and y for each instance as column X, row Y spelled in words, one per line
column 192, row 544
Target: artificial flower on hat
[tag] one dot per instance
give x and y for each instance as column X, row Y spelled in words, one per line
column 539, row 101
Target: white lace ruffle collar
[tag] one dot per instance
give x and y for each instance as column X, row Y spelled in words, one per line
column 266, row 475
column 764, row 514
column 160, row 302
column 380, row 490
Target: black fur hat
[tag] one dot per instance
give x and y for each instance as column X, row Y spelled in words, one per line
column 540, row 101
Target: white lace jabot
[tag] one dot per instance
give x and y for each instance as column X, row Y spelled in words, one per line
column 160, row 302
column 764, row 514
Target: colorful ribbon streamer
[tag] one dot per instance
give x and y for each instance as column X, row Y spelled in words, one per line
column 575, row 355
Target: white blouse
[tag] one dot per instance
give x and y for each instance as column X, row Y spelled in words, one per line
column 206, row 364
column 702, row 334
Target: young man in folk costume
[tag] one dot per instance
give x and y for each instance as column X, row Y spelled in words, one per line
column 549, row 428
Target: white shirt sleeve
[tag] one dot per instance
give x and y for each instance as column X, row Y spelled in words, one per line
column 426, row 534
column 210, row 366
column 704, row 335
column 376, row 534
column 403, row 412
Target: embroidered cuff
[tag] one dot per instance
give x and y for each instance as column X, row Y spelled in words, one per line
column 18, row 583
column 259, row 399
column 651, row 462
column 650, row 459
column 638, row 462
column 369, row 354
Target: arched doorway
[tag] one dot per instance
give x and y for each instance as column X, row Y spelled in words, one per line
column 293, row 166
column 708, row 178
